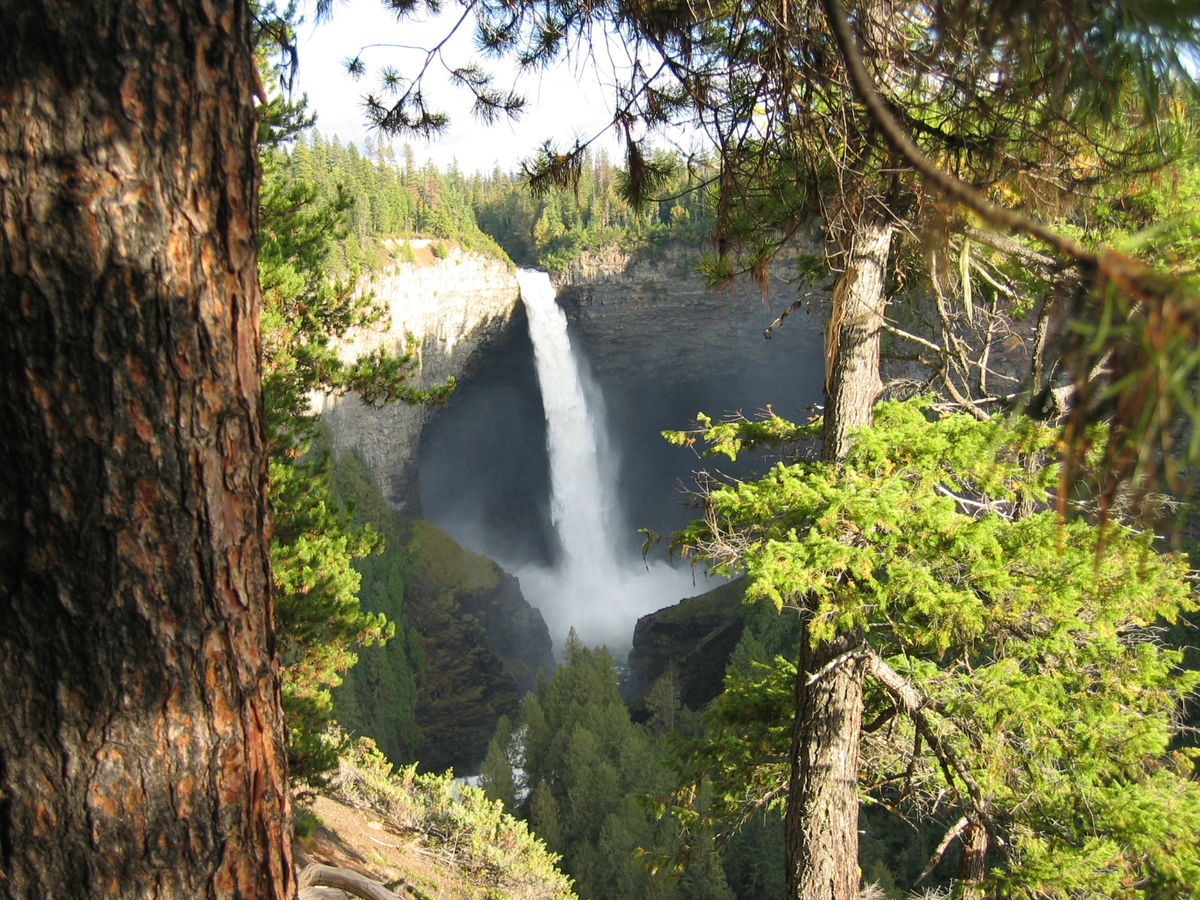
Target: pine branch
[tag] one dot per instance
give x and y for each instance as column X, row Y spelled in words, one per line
column 914, row 705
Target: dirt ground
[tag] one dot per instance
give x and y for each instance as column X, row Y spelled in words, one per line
column 355, row 839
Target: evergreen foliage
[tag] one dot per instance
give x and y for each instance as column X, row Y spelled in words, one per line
column 377, row 696
column 387, row 201
column 318, row 618
column 390, row 200
column 581, row 769
column 1040, row 699
column 549, row 229
column 305, row 311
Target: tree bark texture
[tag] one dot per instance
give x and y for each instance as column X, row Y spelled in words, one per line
column 972, row 865
column 821, row 829
column 852, row 335
column 141, row 749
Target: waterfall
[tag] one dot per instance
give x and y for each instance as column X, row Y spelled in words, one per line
column 596, row 588
column 580, row 505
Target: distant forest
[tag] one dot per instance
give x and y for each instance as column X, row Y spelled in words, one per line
column 390, row 195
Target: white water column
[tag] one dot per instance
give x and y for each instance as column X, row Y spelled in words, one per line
column 580, row 503
column 594, row 589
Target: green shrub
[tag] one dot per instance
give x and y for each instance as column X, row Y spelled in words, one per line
column 492, row 850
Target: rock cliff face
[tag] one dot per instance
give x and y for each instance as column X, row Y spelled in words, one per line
column 453, row 306
column 663, row 346
column 660, row 316
column 696, row 636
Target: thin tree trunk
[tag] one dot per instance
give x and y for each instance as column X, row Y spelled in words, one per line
column 972, row 865
column 852, row 335
column 141, row 749
column 821, row 829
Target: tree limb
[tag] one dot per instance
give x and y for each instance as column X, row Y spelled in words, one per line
column 955, row 830
column 316, row 877
column 900, row 332
column 1009, row 247
column 795, row 305
column 833, row 664
column 914, row 705
column 954, row 188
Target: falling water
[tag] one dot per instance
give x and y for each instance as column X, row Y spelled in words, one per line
column 579, row 505
column 595, row 588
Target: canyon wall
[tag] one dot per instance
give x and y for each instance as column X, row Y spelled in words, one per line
column 639, row 322
column 661, row 316
column 452, row 306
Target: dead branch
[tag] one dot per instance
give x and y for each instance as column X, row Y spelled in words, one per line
column 917, row 339
column 955, row 830
column 315, row 879
column 795, row 305
column 914, row 705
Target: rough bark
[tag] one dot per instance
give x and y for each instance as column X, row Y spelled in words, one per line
column 821, row 829
column 972, row 865
column 141, row 748
column 852, row 335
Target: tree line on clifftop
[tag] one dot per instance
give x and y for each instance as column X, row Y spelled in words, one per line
column 387, row 194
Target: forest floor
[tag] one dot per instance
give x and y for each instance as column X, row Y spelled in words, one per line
column 352, row 838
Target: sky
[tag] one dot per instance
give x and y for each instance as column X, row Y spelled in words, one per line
column 562, row 103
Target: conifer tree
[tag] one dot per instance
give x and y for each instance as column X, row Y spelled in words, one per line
column 582, row 770
column 1016, row 671
column 141, row 744
column 305, row 311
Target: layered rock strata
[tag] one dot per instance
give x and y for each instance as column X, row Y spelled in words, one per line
column 453, row 307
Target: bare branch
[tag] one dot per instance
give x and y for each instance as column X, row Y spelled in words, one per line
column 795, row 305
column 833, row 664
column 955, row 830
column 317, row 876
column 914, row 705
column 887, row 326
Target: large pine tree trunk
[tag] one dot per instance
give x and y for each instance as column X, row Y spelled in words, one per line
column 821, row 831
column 141, row 749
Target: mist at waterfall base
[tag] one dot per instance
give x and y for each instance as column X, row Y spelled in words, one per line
column 485, row 470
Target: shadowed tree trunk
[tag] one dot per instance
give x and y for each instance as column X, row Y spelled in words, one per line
column 141, row 749
column 972, row 865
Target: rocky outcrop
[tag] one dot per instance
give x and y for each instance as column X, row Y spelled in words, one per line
column 453, row 307
column 696, row 636
column 483, row 646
